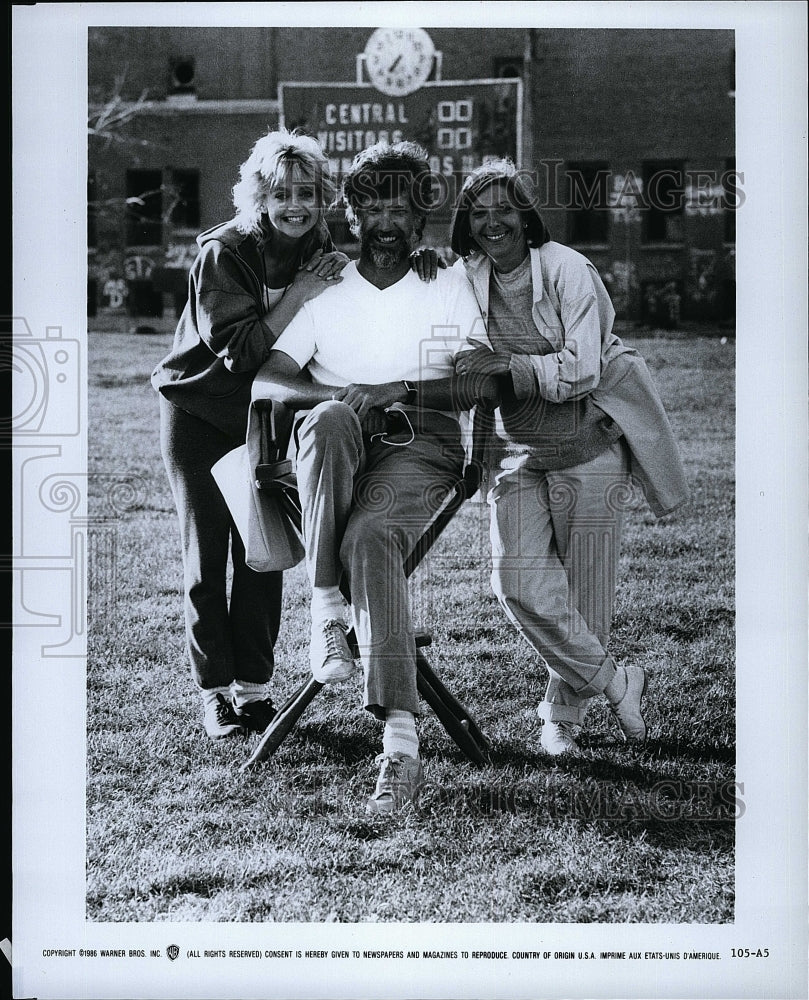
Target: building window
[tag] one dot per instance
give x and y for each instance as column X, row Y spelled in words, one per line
column 731, row 196
column 183, row 73
column 92, row 208
column 664, row 195
column 144, row 208
column 183, row 199
column 588, row 202
column 507, row 67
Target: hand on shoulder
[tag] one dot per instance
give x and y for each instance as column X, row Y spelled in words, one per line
column 426, row 261
column 326, row 265
column 320, row 272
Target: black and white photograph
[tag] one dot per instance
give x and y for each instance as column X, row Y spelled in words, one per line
column 409, row 528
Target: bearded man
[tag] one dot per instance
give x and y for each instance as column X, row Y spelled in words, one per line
column 370, row 363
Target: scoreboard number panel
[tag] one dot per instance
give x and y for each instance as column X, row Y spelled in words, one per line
column 460, row 123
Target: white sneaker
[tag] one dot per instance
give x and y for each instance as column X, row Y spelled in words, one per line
column 219, row 718
column 329, row 653
column 627, row 711
column 559, row 737
column 400, row 778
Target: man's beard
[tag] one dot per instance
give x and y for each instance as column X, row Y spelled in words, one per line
column 384, row 258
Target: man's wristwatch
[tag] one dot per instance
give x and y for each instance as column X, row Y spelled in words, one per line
column 412, row 392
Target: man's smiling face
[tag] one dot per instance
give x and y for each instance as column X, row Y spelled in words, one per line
column 387, row 226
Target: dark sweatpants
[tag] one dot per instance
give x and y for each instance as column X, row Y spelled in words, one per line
column 225, row 643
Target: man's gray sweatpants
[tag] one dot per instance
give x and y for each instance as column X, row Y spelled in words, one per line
column 364, row 506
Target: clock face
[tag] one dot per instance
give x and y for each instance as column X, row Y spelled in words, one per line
column 399, row 60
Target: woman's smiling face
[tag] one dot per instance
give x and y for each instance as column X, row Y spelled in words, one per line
column 497, row 227
column 292, row 207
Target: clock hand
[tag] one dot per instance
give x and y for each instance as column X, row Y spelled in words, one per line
column 395, row 63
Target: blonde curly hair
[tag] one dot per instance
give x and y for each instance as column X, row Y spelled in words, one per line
column 278, row 158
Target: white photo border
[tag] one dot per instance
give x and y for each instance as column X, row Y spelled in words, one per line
column 49, row 227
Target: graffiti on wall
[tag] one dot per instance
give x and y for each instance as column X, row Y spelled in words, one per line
column 135, row 281
column 113, row 294
column 621, row 279
column 138, row 267
column 703, row 277
column 180, row 255
column 105, row 272
column 704, row 196
column 625, row 197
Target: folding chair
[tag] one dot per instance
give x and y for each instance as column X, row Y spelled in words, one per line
column 275, row 473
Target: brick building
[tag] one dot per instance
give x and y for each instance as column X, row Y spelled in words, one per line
column 630, row 132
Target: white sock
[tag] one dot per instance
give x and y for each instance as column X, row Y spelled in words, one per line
column 400, row 734
column 246, row 691
column 209, row 694
column 327, row 602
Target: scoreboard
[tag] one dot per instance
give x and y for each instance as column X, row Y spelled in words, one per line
column 459, row 123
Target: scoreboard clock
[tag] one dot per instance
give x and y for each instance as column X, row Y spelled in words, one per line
column 399, row 60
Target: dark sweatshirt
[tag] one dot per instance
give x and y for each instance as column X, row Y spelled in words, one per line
column 223, row 336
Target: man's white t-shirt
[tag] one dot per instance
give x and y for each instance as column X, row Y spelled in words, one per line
column 357, row 333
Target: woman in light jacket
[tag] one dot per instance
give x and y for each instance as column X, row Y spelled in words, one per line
column 579, row 420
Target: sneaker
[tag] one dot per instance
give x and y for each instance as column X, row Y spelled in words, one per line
column 219, row 718
column 627, row 710
column 255, row 716
column 329, row 653
column 399, row 779
column 559, row 737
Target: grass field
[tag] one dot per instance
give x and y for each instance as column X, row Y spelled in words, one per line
column 176, row 832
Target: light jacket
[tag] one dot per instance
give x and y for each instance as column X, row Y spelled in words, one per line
column 573, row 312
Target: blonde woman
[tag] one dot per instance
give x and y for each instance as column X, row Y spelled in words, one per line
column 251, row 276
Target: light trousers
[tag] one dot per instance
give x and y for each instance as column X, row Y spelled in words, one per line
column 364, row 506
column 556, row 538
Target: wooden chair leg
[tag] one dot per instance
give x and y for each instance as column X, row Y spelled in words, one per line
column 426, row 672
column 289, row 713
column 281, row 726
column 451, row 713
